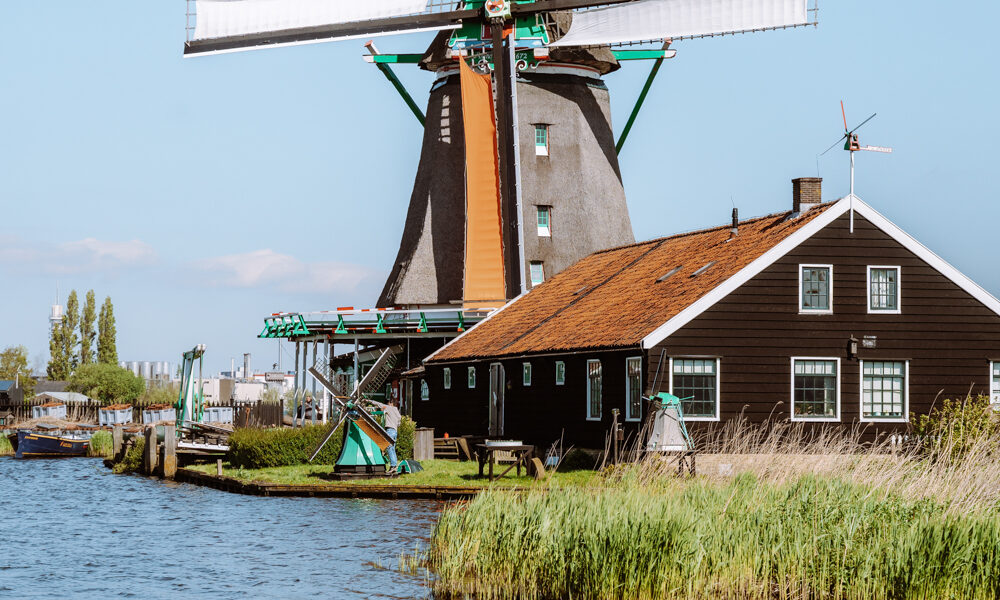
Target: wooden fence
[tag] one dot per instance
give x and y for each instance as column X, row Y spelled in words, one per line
column 245, row 414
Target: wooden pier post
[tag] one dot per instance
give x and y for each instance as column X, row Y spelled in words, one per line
column 117, row 441
column 169, row 451
column 218, row 467
column 149, row 452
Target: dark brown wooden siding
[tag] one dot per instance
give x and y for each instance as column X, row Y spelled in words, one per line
column 538, row 414
column 947, row 335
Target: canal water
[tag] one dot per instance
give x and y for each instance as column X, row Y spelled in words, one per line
column 69, row 528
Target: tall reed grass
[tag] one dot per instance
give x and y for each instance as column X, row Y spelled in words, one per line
column 796, row 513
column 5, row 448
column 101, row 445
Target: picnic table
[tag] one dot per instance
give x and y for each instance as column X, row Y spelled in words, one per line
column 486, row 454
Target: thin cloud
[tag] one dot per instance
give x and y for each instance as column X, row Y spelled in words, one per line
column 85, row 256
column 269, row 269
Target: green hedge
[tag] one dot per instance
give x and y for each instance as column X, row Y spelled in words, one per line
column 263, row 448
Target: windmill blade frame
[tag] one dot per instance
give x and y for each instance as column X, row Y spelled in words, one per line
column 327, row 437
column 372, row 373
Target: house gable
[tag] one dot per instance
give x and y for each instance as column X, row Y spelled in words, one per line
column 842, row 207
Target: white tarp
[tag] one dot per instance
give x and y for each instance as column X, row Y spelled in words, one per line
column 225, row 18
column 661, row 19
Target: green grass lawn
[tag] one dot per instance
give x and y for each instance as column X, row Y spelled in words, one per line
column 436, row 472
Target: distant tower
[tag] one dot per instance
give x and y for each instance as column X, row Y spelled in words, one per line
column 56, row 314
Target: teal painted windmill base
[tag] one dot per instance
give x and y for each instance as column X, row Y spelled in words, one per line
column 360, row 457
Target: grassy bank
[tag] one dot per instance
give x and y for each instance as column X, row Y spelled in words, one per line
column 436, row 472
column 778, row 513
column 813, row 537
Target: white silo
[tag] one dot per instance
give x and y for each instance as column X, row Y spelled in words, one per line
column 146, row 369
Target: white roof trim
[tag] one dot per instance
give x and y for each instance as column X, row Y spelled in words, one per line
column 463, row 334
column 791, row 242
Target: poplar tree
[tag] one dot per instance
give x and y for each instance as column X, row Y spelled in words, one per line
column 58, row 368
column 107, row 351
column 70, row 339
column 87, row 333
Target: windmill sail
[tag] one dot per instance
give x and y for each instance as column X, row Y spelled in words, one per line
column 678, row 19
column 233, row 25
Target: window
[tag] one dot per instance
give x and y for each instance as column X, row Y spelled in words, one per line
column 560, row 372
column 995, row 382
column 883, row 390
column 526, row 373
column 696, row 382
column 544, row 224
column 816, row 288
column 541, row 140
column 883, row 290
column 815, row 389
column 594, row 384
column 472, row 377
column 447, row 378
column 633, row 388
column 537, row 273
column 425, row 390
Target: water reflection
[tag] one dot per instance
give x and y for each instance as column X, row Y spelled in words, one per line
column 70, row 528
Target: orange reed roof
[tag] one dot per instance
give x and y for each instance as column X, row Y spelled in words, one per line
column 612, row 299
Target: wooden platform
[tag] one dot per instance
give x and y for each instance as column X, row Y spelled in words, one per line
column 330, row 490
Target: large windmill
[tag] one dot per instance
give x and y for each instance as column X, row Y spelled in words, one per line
column 518, row 174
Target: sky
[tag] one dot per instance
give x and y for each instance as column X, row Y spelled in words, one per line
column 203, row 194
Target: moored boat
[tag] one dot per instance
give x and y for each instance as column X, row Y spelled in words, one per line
column 31, row 444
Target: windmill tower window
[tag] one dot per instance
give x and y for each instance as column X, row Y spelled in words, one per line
column 537, row 272
column 544, row 221
column 541, row 139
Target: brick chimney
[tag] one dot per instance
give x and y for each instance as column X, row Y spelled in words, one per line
column 806, row 193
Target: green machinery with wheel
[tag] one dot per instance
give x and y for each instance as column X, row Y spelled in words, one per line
column 364, row 437
column 190, row 401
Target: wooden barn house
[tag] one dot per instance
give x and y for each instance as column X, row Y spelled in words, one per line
column 827, row 313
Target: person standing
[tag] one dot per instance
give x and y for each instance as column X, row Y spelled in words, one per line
column 392, row 419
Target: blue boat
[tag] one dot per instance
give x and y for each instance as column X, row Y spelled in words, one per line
column 30, row 444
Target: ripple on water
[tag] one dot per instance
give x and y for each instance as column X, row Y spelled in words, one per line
column 74, row 530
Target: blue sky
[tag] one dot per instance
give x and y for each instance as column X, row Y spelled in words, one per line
column 203, row 194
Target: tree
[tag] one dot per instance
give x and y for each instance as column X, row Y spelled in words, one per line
column 107, row 351
column 14, row 366
column 87, row 333
column 109, row 384
column 58, row 368
column 70, row 322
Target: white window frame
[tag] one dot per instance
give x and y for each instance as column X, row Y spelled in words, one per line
column 425, row 391
column 899, row 290
column 718, row 385
column 470, row 378
column 861, row 393
column 547, row 230
column 791, row 389
column 541, row 265
column 561, row 381
column 541, row 150
column 628, row 390
column 815, row 311
column 526, row 374
column 446, row 378
column 600, row 414
column 994, row 388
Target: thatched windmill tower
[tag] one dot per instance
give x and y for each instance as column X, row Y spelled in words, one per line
column 514, row 183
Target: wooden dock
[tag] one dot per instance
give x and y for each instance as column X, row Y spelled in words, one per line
column 328, row 490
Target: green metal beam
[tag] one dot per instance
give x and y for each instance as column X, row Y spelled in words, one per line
column 643, row 54
column 396, row 83
column 638, row 104
column 410, row 59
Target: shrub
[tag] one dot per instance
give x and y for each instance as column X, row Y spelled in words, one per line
column 132, row 461
column 252, row 448
column 954, row 428
column 101, row 445
column 404, row 438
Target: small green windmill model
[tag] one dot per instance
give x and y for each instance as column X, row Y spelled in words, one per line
column 364, row 438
